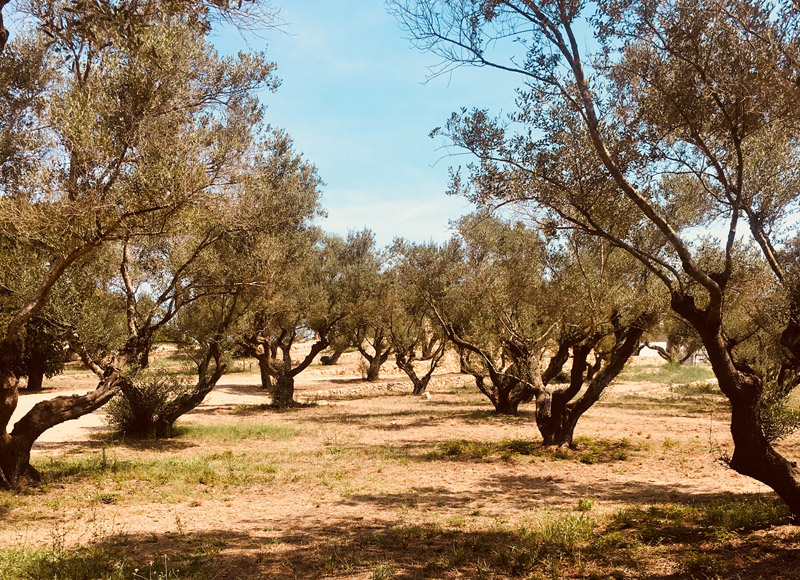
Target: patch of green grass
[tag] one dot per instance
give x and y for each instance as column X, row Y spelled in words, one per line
column 242, row 365
column 104, row 563
column 171, row 477
column 670, row 443
column 667, row 374
column 566, row 545
column 718, row 519
column 250, row 409
column 585, row 450
column 702, row 565
column 565, row 533
column 657, row 524
column 178, row 361
column 696, row 389
column 383, row 572
column 515, row 551
column 744, row 514
column 670, row 405
column 237, row 431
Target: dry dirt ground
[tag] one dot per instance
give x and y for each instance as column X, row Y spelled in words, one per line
column 372, row 482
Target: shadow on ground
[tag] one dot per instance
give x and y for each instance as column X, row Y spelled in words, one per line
column 355, row 548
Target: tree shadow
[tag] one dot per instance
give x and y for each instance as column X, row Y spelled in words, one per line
column 142, row 444
column 351, row 547
column 517, row 489
column 428, row 416
column 356, row 547
column 241, row 389
column 420, row 497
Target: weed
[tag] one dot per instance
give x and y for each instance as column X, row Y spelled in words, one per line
column 566, row 532
column 586, row 450
column 107, row 497
column 383, row 572
column 718, row 520
column 99, row 562
column 668, row 444
column 696, row 389
column 237, row 431
column 700, row 565
column 744, row 514
column 669, row 522
column 585, row 504
column 668, row 374
column 250, row 409
column 456, row 521
column 173, row 476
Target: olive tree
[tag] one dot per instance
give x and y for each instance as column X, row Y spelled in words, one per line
column 368, row 323
column 315, row 293
column 524, row 305
column 684, row 117
column 108, row 131
column 415, row 335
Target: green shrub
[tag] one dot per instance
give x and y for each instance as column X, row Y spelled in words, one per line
column 157, row 389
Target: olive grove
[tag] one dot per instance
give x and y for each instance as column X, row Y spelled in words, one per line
column 121, row 130
column 668, row 129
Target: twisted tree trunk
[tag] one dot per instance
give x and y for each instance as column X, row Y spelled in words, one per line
column 35, row 370
column 753, row 454
column 375, row 360
column 557, row 414
column 333, row 358
column 405, row 362
column 283, row 393
column 15, row 447
column 283, row 374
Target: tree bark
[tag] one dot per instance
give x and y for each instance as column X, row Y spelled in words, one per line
column 376, row 360
column 185, row 403
column 405, row 362
column 15, row 448
column 753, row 454
column 283, row 393
column 374, row 369
column 35, row 370
column 557, row 414
column 266, row 377
column 333, row 358
column 15, row 464
column 3, row 29
column 509, row 393
column 282, row 375
column 505, row 404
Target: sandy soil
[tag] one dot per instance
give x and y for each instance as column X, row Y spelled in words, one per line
column 322, row 496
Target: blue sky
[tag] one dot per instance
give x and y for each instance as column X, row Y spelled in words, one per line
column 355, row 100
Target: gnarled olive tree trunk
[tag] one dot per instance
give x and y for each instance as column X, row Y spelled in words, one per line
column 333, row 358
column 405, row 362
column 278, row 374
column 753, row 454
column 15, row 447
column 557, row 414
column 381, row 350
column 506, row 388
